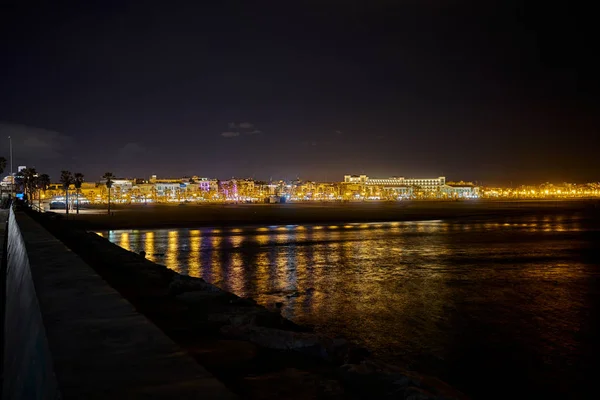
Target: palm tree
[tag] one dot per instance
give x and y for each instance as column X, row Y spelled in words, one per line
column 43, row 182
column 78, row 179
column 66, row 178
column 109, row 181
column 29, row 182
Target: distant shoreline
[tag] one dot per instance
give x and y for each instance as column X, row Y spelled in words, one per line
column 232, row 215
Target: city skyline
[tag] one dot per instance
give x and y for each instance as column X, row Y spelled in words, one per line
column 302, row 178
column 489, row 92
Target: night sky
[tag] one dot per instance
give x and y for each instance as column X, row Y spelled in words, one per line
column 498, row 92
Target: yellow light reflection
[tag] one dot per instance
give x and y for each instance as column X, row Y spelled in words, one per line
column 124, row 241
column 262, row 229
column 194, row 262
column 279, row 278
column 237, row 241
column 262, row 239
column 216, row 272
column 237, row 281
column 149, row 246
column 172, row 251
column 262, row 276
column 333, row 226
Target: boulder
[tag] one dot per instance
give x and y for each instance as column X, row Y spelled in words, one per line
column 292, row 384
column 330, row 349
column 356, row 355
column 272, row 338
column 389, row 381
column 238, row 316
column 197, row 297
column 181, row 284
column 225, row 354
column 415, row 393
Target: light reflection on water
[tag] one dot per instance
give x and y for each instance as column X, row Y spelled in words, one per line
column 432, row 294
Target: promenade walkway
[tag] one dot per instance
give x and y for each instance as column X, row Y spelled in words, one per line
column 100, row 346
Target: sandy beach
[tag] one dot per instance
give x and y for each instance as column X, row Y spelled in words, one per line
column 193, row 215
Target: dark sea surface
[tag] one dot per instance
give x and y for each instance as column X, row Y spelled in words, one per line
column 497, row 307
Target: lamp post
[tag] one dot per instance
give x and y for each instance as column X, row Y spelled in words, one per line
column 12, row 194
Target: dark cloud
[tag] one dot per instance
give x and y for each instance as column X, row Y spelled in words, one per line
column 33, row 145
column 241, row 125
column 239, row 129
column 131, row 150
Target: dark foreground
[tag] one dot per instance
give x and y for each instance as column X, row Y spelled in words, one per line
column 257, row 353
column 190, row 215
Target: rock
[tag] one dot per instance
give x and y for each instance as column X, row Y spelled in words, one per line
column 273, row 338
column 238, row 316
column 355, row 355
column 385, row 380
column 223, row 353
column 181, row 284
column 197, row 297
column 292, row 383
column 369, row 379
column 436, row 386
column 415, row 393
column 333, row 350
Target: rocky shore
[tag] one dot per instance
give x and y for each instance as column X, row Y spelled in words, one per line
column 253, row 350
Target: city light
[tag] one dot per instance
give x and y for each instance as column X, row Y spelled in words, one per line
column 353, row 188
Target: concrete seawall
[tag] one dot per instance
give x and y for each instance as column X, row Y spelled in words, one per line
column 98, row 345
column 27, row 364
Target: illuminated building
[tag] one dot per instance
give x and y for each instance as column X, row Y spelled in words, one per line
column 207, row 185
column 460, row 190
column 361, row 186
column 424, row 183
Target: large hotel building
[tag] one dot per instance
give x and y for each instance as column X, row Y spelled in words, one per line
column 408, row 186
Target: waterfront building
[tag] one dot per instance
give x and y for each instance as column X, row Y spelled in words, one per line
column 461, row 190
column 364, row 187
column 425, row 183
column 207, row 185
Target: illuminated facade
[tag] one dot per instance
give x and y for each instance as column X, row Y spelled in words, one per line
column 361, row 186
column 352, row 188
column 424, row 183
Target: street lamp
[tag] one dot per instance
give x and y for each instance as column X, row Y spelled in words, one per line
column 12, row 194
